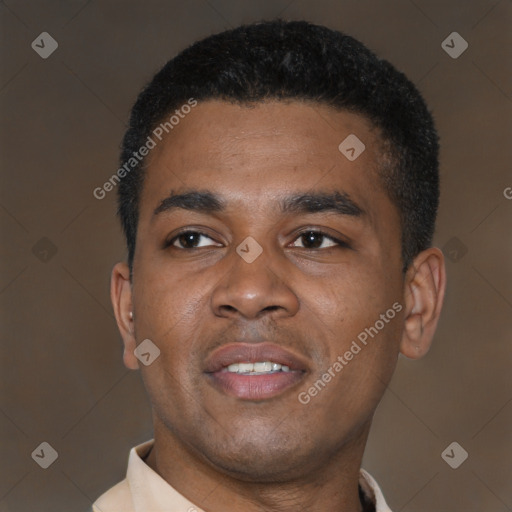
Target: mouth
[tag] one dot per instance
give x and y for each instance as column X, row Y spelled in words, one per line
column 258, row 368
column 254, row 371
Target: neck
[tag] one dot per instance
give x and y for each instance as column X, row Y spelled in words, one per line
column 330, row 487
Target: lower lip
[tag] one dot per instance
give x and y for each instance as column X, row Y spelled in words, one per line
column 255, row 387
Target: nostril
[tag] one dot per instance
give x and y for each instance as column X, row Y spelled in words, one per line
column 228, row 307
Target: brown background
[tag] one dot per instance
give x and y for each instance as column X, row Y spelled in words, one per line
column 63, row 118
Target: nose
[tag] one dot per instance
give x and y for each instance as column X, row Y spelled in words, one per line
column 252, row 290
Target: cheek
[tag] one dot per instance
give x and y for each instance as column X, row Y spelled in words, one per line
column 168, row 313
column 348, row 297
column 358, row 372
column 354, row 308
column 163, row 301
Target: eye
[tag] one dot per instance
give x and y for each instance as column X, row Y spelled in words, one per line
column 312, row 239
column 188, row 240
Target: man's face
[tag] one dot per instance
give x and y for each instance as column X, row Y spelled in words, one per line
column 302, row 302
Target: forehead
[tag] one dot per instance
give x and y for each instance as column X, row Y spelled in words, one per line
column 259, row 152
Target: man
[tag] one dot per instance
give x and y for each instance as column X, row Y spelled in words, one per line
column 278, row 192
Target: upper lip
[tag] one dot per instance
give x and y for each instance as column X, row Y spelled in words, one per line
column 252, row 353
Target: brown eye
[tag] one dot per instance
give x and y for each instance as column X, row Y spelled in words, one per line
column 312, row 239
column 188, row 240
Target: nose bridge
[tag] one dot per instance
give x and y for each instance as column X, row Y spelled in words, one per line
column 253, row 282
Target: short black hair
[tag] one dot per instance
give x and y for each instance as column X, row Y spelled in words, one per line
column 297, row 60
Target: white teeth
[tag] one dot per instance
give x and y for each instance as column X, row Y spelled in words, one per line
column 245, row 367
column 262, row 367
column 258, row 368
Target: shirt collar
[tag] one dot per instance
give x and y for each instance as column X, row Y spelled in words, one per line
column 150, row 491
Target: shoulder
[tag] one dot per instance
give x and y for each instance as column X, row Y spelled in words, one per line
column 116, row 499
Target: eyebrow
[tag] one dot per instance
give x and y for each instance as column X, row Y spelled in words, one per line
column 207, row 202
column 194, row 200
column 330, row 202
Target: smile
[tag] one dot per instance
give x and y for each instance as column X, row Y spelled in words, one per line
column 256, row 372
column 259, row 368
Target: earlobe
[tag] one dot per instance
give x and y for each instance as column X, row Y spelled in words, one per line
column 121, row 296
column 424, row 291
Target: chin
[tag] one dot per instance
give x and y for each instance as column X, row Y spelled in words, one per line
column 251, row 461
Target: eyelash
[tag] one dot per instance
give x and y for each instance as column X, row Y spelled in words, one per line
column 169, row 243
column 340, row 243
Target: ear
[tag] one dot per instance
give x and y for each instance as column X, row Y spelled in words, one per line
column 425, row 285
column 121, row 296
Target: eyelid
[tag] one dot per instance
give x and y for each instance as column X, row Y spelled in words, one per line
column 319, row 231
column 169, row 241
column 339, row 241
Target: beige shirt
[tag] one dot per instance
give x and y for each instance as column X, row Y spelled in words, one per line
column 144, row 490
